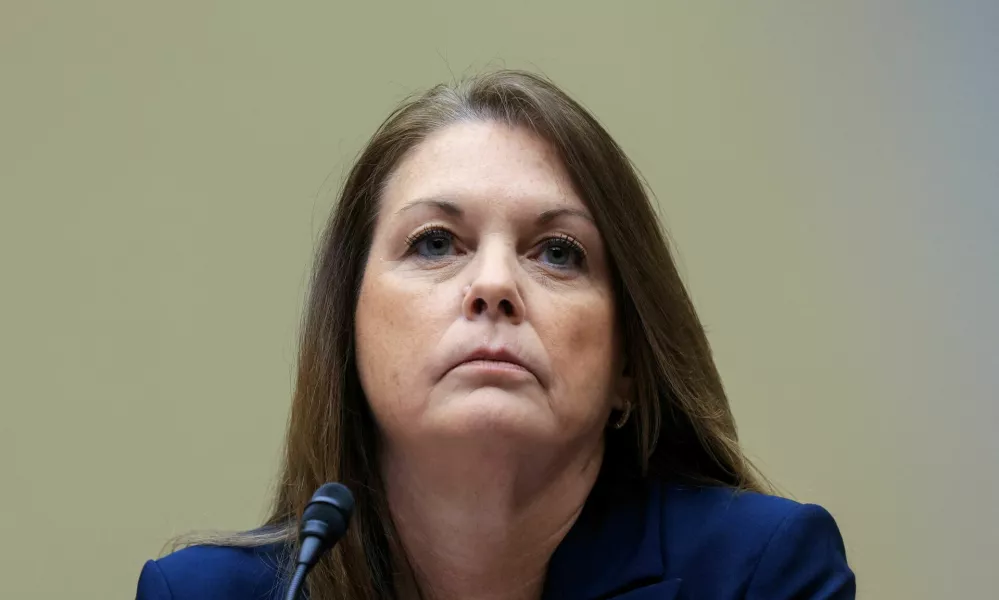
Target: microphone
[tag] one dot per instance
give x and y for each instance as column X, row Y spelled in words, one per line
column 324, row 522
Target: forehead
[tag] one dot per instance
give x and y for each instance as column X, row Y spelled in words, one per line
column 482, row 161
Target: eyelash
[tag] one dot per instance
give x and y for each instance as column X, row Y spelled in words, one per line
column 432, row 230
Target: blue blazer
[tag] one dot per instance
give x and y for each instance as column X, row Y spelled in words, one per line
column 647, row 541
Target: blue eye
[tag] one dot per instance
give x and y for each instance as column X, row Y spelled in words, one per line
column 563, row 252
column 431, row 242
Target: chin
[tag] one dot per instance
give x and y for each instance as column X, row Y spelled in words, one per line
column 491, row 413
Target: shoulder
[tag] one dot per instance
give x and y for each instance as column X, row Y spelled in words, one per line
column 707, row 512
column 215, row 572
column 762, row 546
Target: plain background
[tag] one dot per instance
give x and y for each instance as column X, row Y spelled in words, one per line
column 828, row 171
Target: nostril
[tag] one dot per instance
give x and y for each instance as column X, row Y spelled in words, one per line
column 507, row 307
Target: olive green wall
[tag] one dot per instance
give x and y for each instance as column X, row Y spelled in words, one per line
column 827, row 169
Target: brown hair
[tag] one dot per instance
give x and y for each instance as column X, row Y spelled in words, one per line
column 682, row 427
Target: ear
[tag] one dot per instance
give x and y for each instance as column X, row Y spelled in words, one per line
column 624, row 387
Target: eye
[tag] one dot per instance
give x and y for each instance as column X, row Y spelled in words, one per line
column 431, row 242
column 563, row 252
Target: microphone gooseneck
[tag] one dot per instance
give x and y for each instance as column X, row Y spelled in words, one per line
column 324, row 522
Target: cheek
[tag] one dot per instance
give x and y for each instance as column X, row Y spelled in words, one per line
column 583, row 345
column 393, row 336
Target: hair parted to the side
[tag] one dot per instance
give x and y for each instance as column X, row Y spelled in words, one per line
column 681, row 426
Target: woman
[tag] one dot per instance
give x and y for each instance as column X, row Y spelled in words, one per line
column 500, row 360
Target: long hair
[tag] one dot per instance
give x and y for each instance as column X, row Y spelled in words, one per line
column 682, row 427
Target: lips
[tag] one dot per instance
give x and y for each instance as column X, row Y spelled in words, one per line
column 496, row 354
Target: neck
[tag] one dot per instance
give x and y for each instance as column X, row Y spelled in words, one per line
column 482, row 523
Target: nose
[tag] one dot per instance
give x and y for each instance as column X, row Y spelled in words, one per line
column 493, row 292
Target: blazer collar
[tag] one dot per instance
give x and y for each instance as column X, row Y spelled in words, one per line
column 614, row 550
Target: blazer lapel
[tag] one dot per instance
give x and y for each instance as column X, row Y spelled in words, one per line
column 614, row 550
column 664, row 590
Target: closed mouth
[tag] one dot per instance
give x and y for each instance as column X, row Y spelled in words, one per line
column 495, row 360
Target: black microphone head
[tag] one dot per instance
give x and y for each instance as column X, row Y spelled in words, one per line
column 324, row 522
column 335, row 494
column 327, row 515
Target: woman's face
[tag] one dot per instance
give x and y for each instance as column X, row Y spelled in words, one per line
column 483, row 250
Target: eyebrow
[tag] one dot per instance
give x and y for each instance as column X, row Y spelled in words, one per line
column 452, row 209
